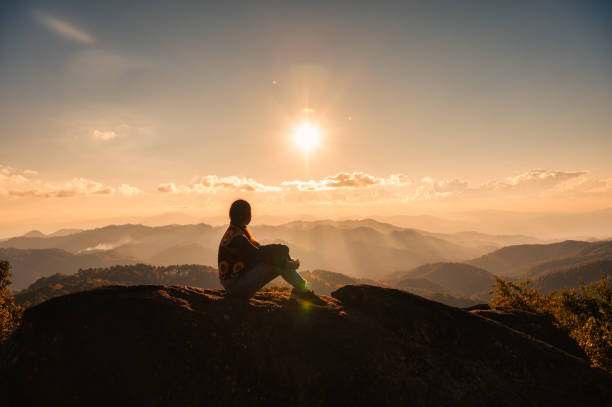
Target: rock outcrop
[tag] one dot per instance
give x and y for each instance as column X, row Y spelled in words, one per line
column 535, row 325
column 169, row 345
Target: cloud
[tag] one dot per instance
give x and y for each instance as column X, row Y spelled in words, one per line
column 14, row 183
column 233, row 183
column 361, row 186
column 545, row 176
column 102, row 131
column 534, row 180
column 581, row 185
column 429, row 188
column 7, row 177
column 72, row 188
column 350, row 187
column 129, row 190
column 213, row 183
column 166, row 187
column 109, row 246
column 445, row 185
column 10, row 178
column 64, row 29
column 399, row 179
column 341, row 180
column 347, row 180
column 103, row 135
column 6, row 170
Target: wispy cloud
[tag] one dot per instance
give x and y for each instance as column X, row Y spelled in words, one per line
column 72, row 188
column 103, row 135
column 109, row 246
column 64, row 29
column 10, row 177
column 18, row 183
column 535, row 180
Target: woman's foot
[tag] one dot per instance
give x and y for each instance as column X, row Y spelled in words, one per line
column 306, row 295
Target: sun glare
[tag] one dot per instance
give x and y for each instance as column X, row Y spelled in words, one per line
column 306, row 136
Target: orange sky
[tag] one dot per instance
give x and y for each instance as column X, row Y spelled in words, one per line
column 183, row 108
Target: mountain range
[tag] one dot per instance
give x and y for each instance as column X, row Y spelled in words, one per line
column 457, row 279
column 587, row 225
column 459, row 268
column 522, row 261
column 361, row 249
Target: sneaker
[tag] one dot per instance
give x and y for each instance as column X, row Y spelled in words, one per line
column 307, row 296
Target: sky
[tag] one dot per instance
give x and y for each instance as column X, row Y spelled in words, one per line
column 120, row 108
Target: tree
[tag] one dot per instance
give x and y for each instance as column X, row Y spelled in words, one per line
column 10, row 313
column 586, row 313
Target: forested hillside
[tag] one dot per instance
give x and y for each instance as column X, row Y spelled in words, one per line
column 570, row 277
column 61, row 284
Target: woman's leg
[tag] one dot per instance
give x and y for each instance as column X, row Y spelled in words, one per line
column 293, row 277
column 260, row 275
column 252, row 280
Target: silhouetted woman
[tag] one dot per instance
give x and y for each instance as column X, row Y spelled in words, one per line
column 245, row 266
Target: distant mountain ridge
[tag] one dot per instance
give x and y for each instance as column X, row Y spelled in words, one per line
column 457, row 279
column 595, row 251
column 595, row 224
column 521, row 261
column 571, row 276
column 35, row 233
column 360, row 248
column 549, row 266
column 28, row 265
column 60, row 232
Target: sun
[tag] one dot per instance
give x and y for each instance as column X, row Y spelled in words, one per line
column 306, row 136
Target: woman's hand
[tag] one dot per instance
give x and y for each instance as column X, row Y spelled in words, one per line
column 293, row 264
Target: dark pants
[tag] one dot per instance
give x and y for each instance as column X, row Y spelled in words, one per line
column 260, row 275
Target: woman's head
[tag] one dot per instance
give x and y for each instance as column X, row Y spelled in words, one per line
column 240, row 212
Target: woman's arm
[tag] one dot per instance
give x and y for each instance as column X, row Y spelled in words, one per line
column 292, row 263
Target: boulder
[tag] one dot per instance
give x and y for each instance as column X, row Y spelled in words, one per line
column 367, row 346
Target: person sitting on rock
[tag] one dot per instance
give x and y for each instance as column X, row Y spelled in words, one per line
column 245, row 266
